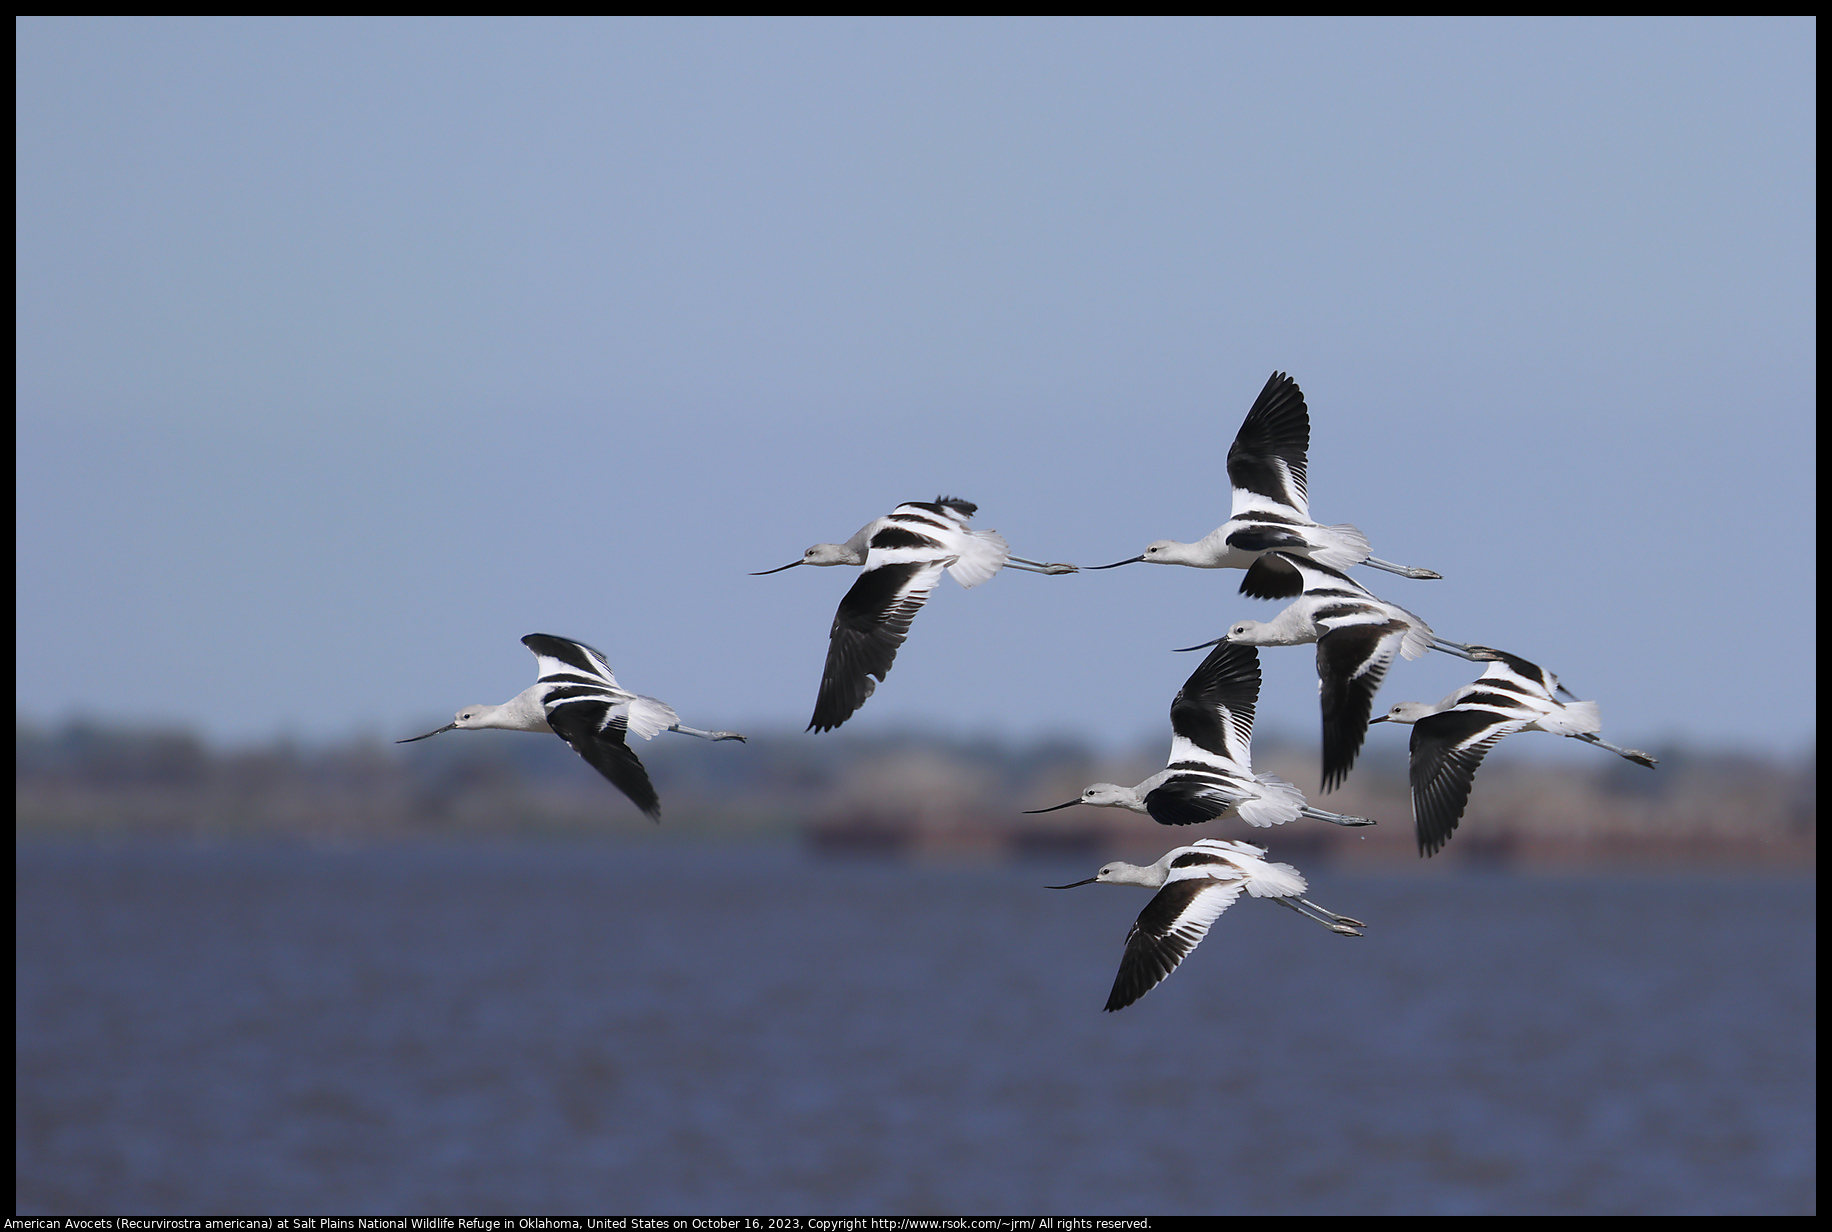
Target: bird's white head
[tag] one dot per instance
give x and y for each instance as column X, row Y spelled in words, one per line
column 1121, row 873
column 1165, row 552
column 1112, row 795
column 1406, row 712
column 1245, row 633
column 831, row 554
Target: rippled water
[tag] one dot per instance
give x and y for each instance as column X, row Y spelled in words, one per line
column 573, row 1028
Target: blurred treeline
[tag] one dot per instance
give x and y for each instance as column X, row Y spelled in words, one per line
column 912, row 792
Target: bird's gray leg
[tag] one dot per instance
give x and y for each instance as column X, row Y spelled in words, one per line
column 1335, row 923
column 1634, row 755
column 1475, row 654
column 1340, row 819
column 706, row 735
column 1350, row 921
column 1037, row 566
column 1410, row 571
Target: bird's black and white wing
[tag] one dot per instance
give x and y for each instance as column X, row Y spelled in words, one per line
column 1447, row 748
column 1321, row 579
column 561, row 660
column 940, row 527
column 1283, row 574
column 1190, row 797
column 1272, row 575
column 871, row 624
column 1352, row 660
column 1526, row 690
column 1361, row 635
column 574, row 670
column 1267, row 459
column 1173, row 923
column 586, row 708
column 1213, row 711
column 1528, row 679
column 1211, row 721
column 597, row 731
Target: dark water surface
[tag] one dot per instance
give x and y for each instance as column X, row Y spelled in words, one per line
column 576, row 1028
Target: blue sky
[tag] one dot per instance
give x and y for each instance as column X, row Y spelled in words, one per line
column 352, row 350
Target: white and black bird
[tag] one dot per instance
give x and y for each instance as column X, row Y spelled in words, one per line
column 904, row 554
column 1357, row 637
column 1211, row 757
column 579, row 700
column 1271, row 507
column 1450, row 739
column 1195, row 884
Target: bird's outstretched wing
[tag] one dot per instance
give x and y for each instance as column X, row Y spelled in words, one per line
column 1173, row 922
column 596, row 728
column 1352, row 660
column 573, row 670
column 1266, row 461
column 1447, row 749
column 871, row 624
column 1214, row 708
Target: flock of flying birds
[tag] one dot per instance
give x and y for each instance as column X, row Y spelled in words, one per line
column 1269, row 534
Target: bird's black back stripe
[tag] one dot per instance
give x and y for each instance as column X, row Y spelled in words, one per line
column 1190, row 859
column 898, row 537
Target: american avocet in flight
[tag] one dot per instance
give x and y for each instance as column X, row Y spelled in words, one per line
column 1450, row 739
column 578, row 700
column 1357, row 636
column 1271, row 510
column 1211, row 757
column 1195, row 885
column 904, row 554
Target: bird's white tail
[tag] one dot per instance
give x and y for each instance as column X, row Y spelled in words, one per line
column 1417, row 641
column 983, row 555
column 648, row 716
column 1276, row 881
column 1346, row 546
column 1278, row 802
column 1577, row 718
